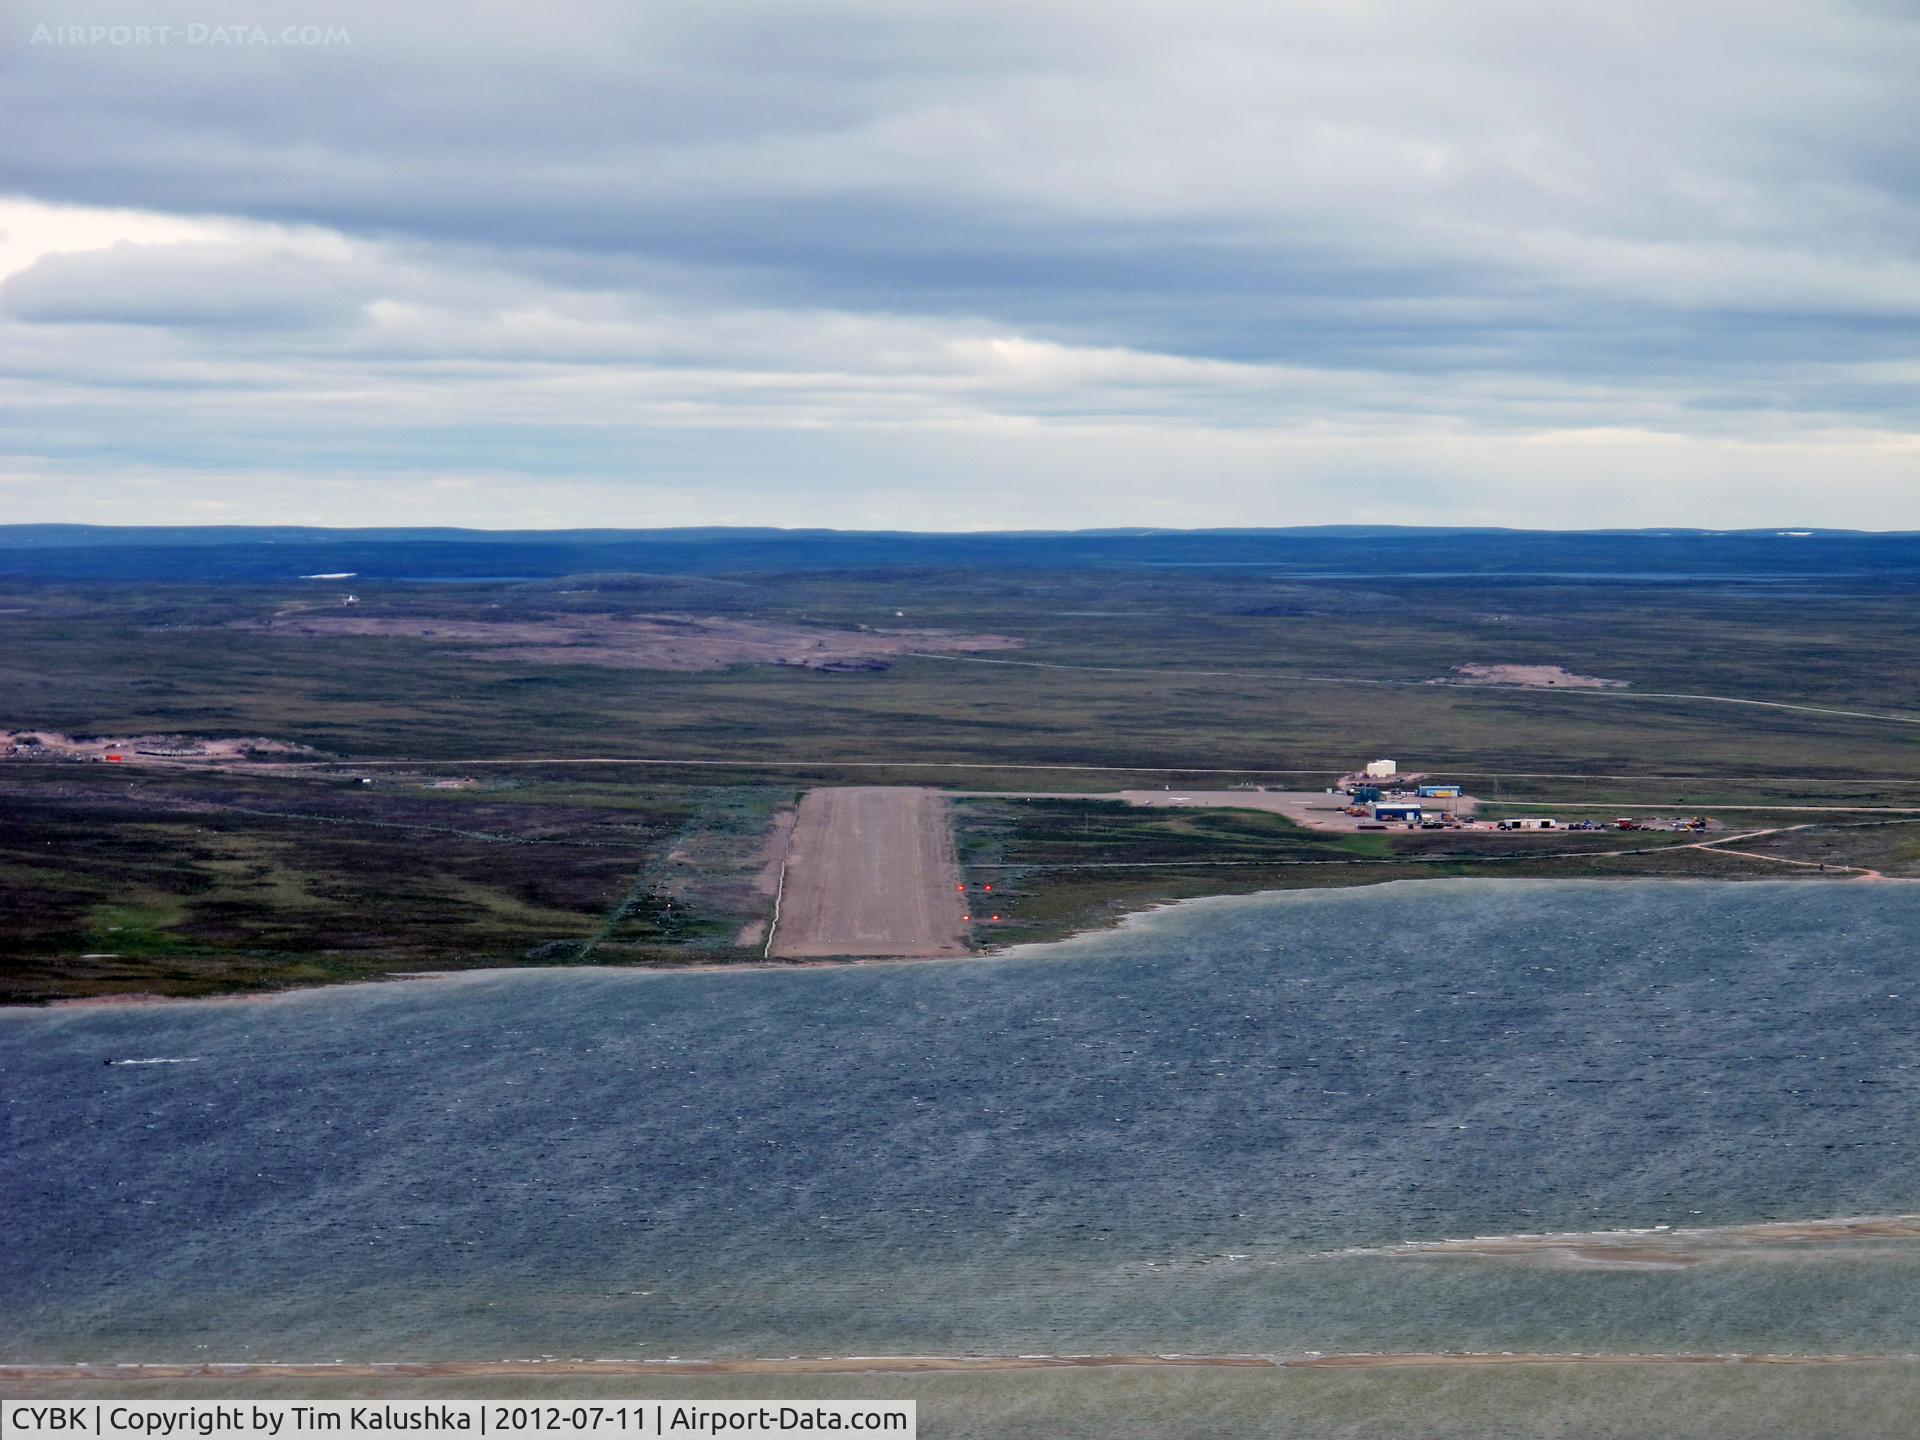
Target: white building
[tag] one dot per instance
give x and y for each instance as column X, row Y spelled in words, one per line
column 1382, row 769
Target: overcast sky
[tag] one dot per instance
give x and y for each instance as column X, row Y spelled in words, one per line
column 983, row 265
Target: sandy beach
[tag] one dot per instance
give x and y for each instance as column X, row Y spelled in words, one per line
column 887, row 1365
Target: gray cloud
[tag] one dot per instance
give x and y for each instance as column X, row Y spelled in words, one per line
column 1331, row 247
column 180, row 285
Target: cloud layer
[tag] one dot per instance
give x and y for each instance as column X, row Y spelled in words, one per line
column 991, row 265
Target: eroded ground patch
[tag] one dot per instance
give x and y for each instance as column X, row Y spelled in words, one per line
column 641, row 642
column 1531, row 676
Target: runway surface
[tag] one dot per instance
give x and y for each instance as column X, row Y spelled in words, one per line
column 870, row 871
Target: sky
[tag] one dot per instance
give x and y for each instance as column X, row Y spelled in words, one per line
column 971, row 266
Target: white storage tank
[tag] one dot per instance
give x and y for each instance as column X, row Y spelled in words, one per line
column 1382, row 769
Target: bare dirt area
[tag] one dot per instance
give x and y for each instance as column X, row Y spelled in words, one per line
column 1310, row 807
column 1532, row 677
column 641, row 642
column 1313, row 809
column 870, row 871
column 50, row 745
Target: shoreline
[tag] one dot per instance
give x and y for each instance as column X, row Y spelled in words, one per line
column 901, row 1364
column 1634, row 1244
column 1011, row 950
column 80, row 1371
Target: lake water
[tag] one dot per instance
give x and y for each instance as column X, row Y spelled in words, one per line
column 1172, row 1136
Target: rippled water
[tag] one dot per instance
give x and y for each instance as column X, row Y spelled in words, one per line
column 1158, row 1138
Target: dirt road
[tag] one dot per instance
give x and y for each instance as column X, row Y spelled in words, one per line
column 870, row 871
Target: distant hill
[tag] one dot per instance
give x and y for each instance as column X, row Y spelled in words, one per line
column 275, row 553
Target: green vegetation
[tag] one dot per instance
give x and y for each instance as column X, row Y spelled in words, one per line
column 182, row 881
column 1060, row 866
column 185, row 884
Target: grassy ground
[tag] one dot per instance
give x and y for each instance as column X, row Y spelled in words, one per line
column 118, row 882
column 1201, row 671
column 186, row 883
column 1059, row 866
